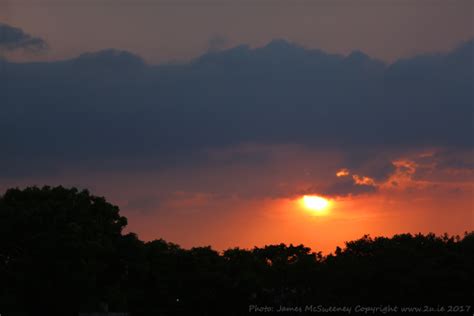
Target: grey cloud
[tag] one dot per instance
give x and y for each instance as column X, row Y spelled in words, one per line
column 451, row 162
column 217, row 43
column 373, row 162
column 111, row 110
column 347, row 186
column 449, row 159
column 13, row 38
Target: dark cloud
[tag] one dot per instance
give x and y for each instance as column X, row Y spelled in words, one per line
column 348, row 182
column 13, row 38
column 111, row 110
column 373, row 162
column 452, row 163
column 349, row 186
column 217, row 43
column 456, row 160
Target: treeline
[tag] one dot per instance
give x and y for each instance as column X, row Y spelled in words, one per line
column 62, row 251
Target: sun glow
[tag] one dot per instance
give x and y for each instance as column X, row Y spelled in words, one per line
column 318, row 205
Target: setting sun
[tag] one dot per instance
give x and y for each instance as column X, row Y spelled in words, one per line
column 315, row 203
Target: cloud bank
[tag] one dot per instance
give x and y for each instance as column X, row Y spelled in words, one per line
column 110, row 110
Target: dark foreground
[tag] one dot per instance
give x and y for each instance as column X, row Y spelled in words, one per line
column 62, row 252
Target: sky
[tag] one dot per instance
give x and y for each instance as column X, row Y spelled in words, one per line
column 177, row 30
column 207, row 122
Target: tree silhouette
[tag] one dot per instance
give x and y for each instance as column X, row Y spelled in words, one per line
column 56, row 247
column 62, row 251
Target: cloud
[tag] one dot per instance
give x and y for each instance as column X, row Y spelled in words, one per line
column 13, row 38
column 110, row 110
column 453, row 160
column 350, row 186
column 217, row 43
column 342, row 172
column 454, row 165
column 363, row 180
column 375, row 162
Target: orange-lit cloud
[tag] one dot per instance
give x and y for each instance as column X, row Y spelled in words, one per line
column 362, row 180
column 342, row 173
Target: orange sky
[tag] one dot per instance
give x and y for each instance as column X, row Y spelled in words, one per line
column 255, row 201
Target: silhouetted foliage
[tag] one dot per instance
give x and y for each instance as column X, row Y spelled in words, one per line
column 56, row 249
column 62, row 251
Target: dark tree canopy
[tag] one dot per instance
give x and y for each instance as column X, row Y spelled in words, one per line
column 62, row 251
column 56, row 246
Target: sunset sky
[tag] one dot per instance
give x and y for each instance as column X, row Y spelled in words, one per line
column 208, row 121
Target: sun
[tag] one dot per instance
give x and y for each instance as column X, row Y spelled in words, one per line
column 316, row 203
